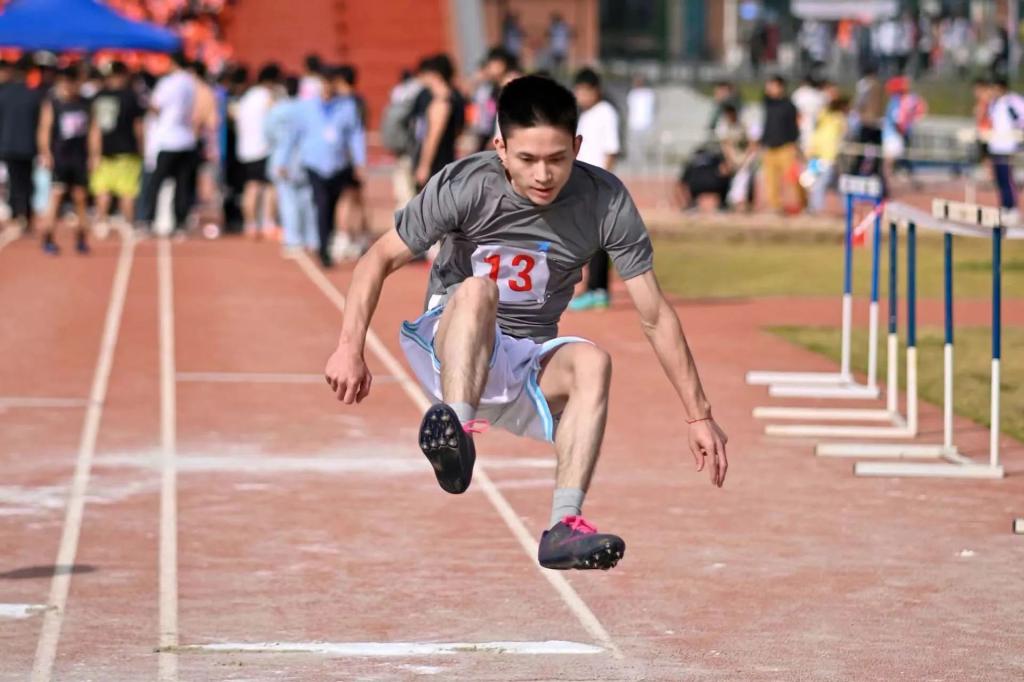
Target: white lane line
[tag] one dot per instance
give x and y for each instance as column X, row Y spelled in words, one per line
column 259, row 378
column 168, row 662
column 557, row 580
column 373, row 460
column 19, row 402
column 342, row 649
column 20, row 611
column 46, row 650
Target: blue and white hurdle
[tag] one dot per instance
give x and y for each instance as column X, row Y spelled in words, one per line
column 841, row 384
column 899, row 427
column 951, row 218
column 891, row 411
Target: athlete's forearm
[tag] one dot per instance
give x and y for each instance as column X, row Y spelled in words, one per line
column 669, row 342
column 361, row 301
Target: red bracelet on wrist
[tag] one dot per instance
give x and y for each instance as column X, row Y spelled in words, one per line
column 702, row 419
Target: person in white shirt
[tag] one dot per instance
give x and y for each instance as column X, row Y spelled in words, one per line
column 252, row 150
column 809, row 100
column 599, row 122
column 599, row 127
column 311, row 85
column 1006, row 112
column 174, row 140
column 640, row 103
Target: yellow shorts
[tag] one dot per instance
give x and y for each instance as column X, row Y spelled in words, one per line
column 117, row 175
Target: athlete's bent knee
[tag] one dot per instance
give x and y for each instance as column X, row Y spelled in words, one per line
column 592, row 363
column 477, row 292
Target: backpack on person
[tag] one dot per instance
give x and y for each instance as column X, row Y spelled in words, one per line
column 396, row 133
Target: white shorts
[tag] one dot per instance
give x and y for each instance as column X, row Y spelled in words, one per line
column 512, row 398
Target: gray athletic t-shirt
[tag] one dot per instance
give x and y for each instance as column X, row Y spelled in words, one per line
column 534, row 253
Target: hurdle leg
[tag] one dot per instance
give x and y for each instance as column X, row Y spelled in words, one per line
column 997, row 329
column 912, row 329
column 892, row 386
column 847, row 315
column 947, row 350
column 892, row 379
column 876, row 239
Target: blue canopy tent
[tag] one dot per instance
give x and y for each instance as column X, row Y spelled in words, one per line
column 86, row 25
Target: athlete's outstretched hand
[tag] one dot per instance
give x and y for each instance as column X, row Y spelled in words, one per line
column 707, row 440
column 348, row 376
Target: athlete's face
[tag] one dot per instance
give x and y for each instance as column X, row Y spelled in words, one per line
column 538, row 160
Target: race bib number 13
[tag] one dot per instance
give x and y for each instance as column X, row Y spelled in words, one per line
column 521, row 275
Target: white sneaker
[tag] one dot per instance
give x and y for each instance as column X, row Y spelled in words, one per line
column 211, row 230
column 101, row 229
column 340, row 245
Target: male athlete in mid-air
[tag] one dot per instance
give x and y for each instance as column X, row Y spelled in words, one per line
column 516, row 227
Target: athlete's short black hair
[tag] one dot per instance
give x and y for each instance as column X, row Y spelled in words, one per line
column 533, row 101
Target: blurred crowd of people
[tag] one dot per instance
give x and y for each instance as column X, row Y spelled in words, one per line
column 806, row 138
column 275, row 156
column 283, row 156
column 918, row 43
column 269, row 154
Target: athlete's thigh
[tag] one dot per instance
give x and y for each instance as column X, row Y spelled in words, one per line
column 453, row 322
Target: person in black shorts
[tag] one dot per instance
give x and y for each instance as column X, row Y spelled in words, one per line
column 63, row 148
column 19, row 121
column 355, row 217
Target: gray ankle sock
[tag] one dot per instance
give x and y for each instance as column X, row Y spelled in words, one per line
column 566, row 502
column 464, row 411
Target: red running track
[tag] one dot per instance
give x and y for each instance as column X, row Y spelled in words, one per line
column 299, row 520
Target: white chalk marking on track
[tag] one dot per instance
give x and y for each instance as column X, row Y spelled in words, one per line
column 168, row 662
column 46, row 649
column 16, row 402
column 557, row 580
column 382, row 649
column 19, row 611
column 258, row 378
